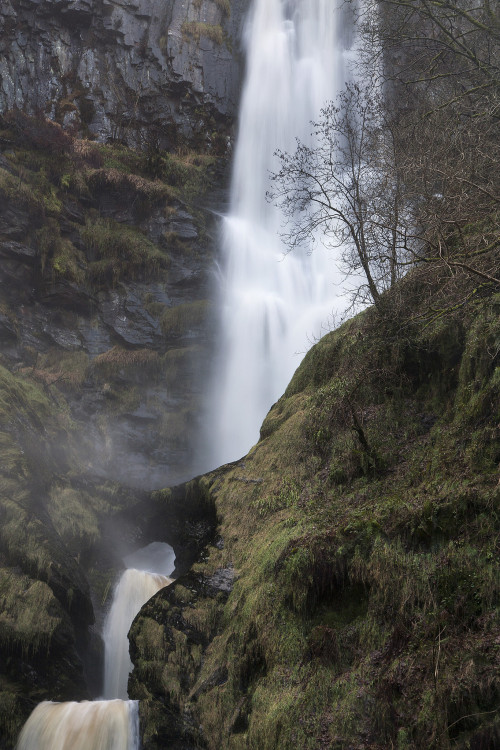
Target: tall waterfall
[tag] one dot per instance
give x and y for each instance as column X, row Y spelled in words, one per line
column 111, row 724
column 273, row 304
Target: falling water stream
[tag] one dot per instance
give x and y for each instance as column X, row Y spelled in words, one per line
column 273, row 304
column 112, row 723
column 148, row 571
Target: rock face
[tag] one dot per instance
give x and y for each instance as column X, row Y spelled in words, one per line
column 112, row 274
column 142, row 70
column 105, row 329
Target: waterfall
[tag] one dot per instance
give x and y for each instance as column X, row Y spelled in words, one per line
column 273, row 304
column 113, row 723
column 148, row 571
column 89, row 725
column 133, row 590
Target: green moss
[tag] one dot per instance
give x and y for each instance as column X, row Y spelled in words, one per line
column 117, row 361
column 73, row 517
column 29, row 613
column 176, row 321
column 21, row 399
column 17, row 190
column 58, row 255
column 224, row 5
column 194, row 30
column 12, row 711
column 64, row 369
column 116, row 250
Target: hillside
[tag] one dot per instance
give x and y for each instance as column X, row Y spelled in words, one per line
column 361, row 536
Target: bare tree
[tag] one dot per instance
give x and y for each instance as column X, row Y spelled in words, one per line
column 431, row 41
column 347, row 191
column 406, row 169
column 439, row 64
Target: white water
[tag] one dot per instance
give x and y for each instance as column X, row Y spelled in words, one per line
column 111, row 724
column 272, row 305
column 148, row 571
column 89, row 725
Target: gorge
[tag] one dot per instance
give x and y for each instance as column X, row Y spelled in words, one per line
column 335, row 585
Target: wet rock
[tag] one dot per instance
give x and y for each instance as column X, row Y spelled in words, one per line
column 7, row 327
column 125, row 315
column 121, row 68
column 216, row 679
column 165, row 627
column 221, row 581
column 183, row 226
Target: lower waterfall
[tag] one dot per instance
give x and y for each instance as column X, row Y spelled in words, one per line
column 89, row 725
column 112, row 723
column 133, row 590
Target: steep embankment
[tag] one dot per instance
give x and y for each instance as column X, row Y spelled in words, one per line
column 106, row 255
column 362, row 535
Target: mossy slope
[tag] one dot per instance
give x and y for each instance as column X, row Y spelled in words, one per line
column 363, row 529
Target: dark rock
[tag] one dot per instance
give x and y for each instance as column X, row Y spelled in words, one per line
column 7, row 328
column 128, row 319
column 221, row 581
column 58, row 55
column 182, row 225
column 216, row 679
column 17, row 249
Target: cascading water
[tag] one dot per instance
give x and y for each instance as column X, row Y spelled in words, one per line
column 89, row 725
column 113, row 723
column 148, row 571
column 272, row 303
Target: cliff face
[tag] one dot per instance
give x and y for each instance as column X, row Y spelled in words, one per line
column 105, row 308
column 105, row 271
column 130, row 70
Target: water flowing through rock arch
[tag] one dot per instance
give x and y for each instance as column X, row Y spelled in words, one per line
column 111, row 723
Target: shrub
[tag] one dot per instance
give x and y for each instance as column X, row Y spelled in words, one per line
column 196, row 29
column 38, row 132
column 115, row 250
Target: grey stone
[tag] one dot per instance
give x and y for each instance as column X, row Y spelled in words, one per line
column 134, row 60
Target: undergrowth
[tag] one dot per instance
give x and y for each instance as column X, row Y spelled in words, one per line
column 364, row 529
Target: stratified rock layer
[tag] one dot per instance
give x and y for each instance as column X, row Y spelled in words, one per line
column 120, row 68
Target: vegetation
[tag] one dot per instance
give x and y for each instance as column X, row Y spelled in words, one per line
column 115, row 251
column 363, row 529
column 406, row 167
column 47, row 167
column 195, row 29
column 176, row 320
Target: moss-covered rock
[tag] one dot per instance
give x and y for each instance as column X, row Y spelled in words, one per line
column 363, row 532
